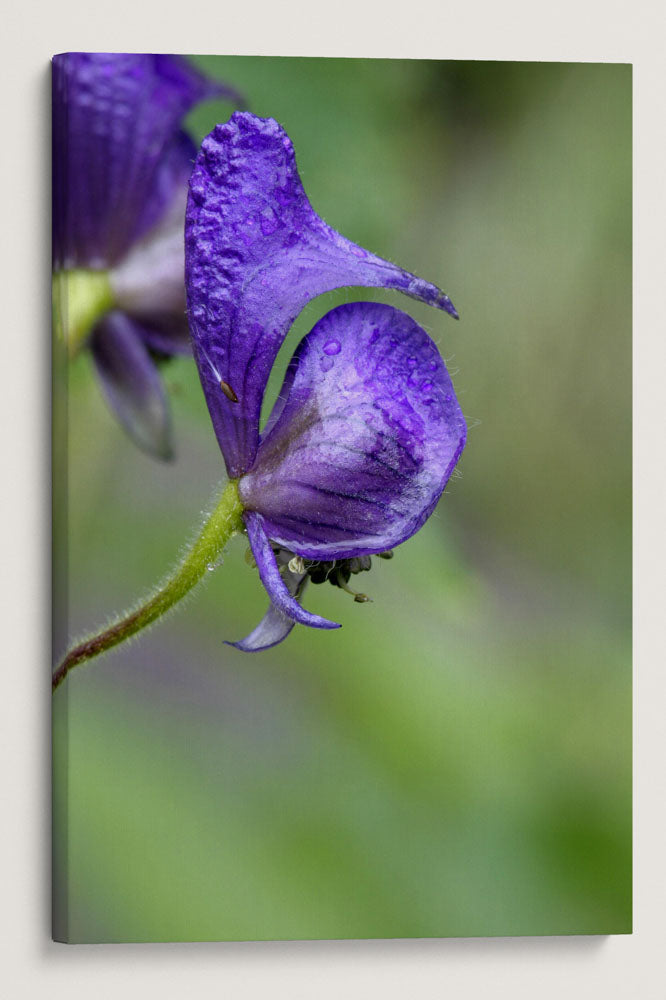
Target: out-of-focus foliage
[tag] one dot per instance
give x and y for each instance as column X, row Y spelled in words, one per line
column 456, row 759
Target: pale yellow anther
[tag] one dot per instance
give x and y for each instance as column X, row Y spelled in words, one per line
column 296, row 564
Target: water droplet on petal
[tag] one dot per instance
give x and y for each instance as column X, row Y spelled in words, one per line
column 326, row 364
column 332, row 347
column 411, row 362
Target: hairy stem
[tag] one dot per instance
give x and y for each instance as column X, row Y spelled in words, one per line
column 224, row 521
column 80, row 299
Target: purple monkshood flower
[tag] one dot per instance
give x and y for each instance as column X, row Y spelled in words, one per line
column 120, row 168
column 366, row 430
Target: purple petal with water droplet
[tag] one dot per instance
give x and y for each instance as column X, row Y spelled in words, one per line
column 255, row 254
column 356, row 456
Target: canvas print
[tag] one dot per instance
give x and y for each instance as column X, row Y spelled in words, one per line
column 341, row 498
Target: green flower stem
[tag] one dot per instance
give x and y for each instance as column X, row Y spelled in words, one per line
column 224, row 522
column 80, row 299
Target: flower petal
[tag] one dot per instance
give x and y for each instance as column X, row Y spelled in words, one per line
column 149, row 282
column 131, row 383
column 274, row 627
column 255, row 254
column 167, row 335
column 281, row 598
column 114, row 115
column 367, row 433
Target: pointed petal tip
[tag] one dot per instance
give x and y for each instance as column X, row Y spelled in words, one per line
column 447, row 305
column 245, row 647
column 166, row 452
column 160, row 448
column 252, row 643
column 160, row 445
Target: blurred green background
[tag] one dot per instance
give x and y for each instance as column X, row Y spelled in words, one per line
column 456, row 760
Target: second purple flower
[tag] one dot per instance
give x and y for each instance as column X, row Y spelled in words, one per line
column 121, row 163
